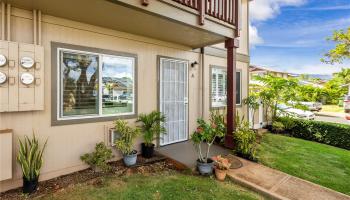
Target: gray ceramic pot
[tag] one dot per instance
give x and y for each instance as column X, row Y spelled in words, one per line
column 205, row 168
column 130, row 160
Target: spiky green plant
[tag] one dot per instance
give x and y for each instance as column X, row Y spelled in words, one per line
column 30, row 157
column 127, row 136
column 152, row 126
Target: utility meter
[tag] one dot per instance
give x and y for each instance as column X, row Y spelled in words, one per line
column 27, row 78
column 3, row 78
column 27, row 62
column 3, row 60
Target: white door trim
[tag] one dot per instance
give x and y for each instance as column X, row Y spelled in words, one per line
column 185, row 100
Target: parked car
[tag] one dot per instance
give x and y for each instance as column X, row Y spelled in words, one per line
column 312, row 106
column 284, row 110
column 347, row 103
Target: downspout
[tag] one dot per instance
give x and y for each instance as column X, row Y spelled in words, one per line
column 34, row 28
column 39, row 27
column 202, row 64
column 9, row 22
column 2, row 21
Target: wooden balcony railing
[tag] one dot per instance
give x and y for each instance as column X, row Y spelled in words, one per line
column 224, row 10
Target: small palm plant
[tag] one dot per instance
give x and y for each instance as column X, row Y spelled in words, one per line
column 30, row 158
column 152, row 128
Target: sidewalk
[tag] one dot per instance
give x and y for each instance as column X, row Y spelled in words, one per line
column 330, row 114
column 278, row 185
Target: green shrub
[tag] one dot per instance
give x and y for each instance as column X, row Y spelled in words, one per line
column 206, row 133
column 98, row 159
column 245, row 140
column 334, row 134
column 277, row 127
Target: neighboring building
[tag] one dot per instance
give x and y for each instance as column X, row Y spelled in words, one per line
column 259, row 71
column 70, row 68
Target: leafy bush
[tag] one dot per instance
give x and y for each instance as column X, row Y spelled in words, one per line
column 98, row 159
column 30, row 157
column 206, row 133
column 125, row 143
column 334, row 134
column 152, row 126
column 277, row 127
column 245, row 139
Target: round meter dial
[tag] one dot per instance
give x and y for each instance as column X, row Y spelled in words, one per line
column 3, row 78
column 3, row 60
column 27, row 78
column 27, row 62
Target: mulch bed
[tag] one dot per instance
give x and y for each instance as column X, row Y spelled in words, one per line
column 144, row 166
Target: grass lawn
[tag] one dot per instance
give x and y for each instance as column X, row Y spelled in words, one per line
column 322, row 164
column 166, row 185
column 332, row 108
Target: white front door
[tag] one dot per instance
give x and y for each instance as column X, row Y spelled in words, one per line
column 173, row 99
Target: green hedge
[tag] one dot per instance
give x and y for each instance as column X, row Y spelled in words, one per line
column 323, row 132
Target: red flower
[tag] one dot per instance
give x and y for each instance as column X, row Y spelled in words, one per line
column 199, row 130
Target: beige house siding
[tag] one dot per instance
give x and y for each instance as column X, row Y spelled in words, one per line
column 67, row 142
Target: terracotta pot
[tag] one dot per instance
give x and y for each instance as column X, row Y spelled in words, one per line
column 347, row 117
column 220, row 174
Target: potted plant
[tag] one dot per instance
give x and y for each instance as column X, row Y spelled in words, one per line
column 98, row 159
column 151, row 127
column 30, row 158
column 205, row 134
column 125, row 142
column 252, row 101
column 221, row 167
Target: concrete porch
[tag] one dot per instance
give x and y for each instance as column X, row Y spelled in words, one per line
column 185, row 153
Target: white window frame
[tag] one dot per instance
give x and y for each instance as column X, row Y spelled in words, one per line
column 60, row 116
column 211, row 86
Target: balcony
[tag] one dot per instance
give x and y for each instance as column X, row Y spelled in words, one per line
column 224, row 10
column 190, row 23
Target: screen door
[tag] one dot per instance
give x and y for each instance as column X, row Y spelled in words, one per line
column 173, row 99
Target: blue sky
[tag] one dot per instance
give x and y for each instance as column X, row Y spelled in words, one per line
column 290, row 35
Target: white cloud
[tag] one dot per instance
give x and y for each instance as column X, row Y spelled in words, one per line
column 254, row 37
column 262, row 10
column 341, row 7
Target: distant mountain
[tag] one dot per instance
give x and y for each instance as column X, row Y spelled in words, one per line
column 325, row 77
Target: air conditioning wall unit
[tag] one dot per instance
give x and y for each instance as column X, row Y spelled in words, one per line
column 6, row 154
column 113, row 135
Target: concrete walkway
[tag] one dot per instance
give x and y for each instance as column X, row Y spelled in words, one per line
column 279, row 185
column 185, row 153
column 272, row 183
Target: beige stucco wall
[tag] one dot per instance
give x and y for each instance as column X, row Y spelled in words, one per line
column 66, row 143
